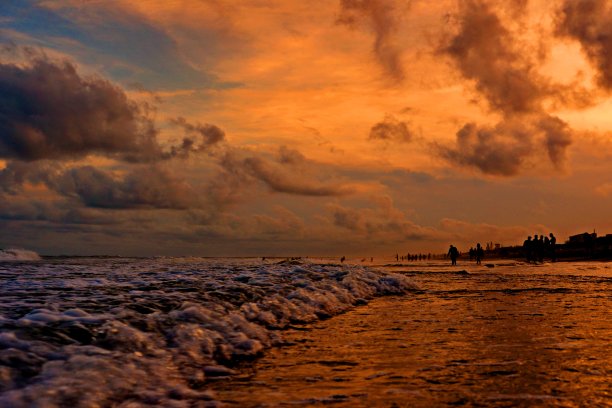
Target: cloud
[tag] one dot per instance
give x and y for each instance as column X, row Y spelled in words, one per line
column 502, row 149
column 590, row 23
column 483, row 52
column 349, row 218
column 149, row 186
column 49, row 112
column 381, row 221
column 144, row 187
column 380, row 16
column 495, row 150
column 391, row 129
column 208, row 134
column 290, row 156
column 558, row 136
column 18, row 173
column 288, row 175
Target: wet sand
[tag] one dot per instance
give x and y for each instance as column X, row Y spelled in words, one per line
column 539, row 337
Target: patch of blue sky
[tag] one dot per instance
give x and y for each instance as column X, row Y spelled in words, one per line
column 126, row 47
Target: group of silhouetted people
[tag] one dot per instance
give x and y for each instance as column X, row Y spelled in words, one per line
column 539, row 247
column 413, row 257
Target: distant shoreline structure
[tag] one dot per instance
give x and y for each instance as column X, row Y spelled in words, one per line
column 582, row 246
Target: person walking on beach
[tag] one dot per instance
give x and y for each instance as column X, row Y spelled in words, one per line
column 479, row 253
column 553, row 242
column 453, row 253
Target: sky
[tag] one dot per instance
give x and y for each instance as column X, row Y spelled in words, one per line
column 318, row 128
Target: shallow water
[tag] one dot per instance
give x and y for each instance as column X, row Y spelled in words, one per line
column 512, row 335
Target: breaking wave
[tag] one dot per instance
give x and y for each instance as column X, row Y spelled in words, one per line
column 16, row 254
column 109, row 332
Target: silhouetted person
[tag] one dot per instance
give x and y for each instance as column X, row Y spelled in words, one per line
column 536, row 248
column 479, row 252
column 528, row 248
column 541, row 249
column 396, row 257
column 553, row 250
column 453, row 253
column 342, row 259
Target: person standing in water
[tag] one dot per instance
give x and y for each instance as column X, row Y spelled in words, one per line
column 453, row 253
column 479, row 252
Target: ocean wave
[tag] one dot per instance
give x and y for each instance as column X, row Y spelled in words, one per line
column 17, row 254
column 156, row 330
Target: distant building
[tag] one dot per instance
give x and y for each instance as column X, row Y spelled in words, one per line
column 583, row 238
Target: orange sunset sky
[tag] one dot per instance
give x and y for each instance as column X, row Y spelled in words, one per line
column 281, row 127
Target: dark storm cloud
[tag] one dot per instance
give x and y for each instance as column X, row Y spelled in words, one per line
column 149, row 186
column 379, row 14
column 20, row 208
column 502, row 149
column 590, row 23
column 146, row 187
column 17, row 173
column 47, row 111
column 483, row 52
column 391, row 129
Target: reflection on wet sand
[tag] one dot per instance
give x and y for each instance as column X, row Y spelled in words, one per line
column 534, row 337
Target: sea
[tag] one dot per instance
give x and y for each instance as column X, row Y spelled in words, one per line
column 275, row 332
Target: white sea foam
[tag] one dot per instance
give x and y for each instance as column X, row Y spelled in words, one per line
column 17, row 254
column 97, row 332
